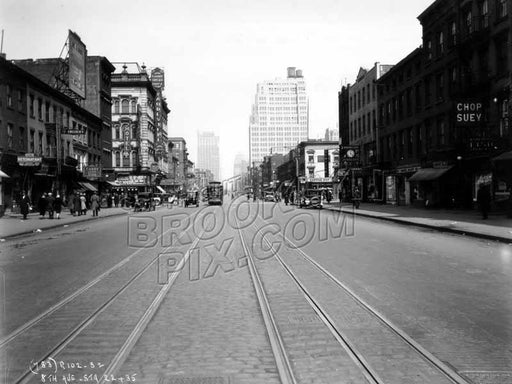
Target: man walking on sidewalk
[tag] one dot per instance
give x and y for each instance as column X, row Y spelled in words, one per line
column 57, row 205
column 25, row 205
column 49, row 205
column 95, row 204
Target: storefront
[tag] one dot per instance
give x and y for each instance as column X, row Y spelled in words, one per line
column 430, row 188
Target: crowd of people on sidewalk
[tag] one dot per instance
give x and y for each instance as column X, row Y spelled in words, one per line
column 77, row 203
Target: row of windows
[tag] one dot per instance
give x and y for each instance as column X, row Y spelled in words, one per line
column 364, row 125
column 362, row 97
column 469, row 24
column 321, row 158
column 125, row 106
column 122, row 159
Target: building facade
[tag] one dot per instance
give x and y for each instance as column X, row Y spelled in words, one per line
column 134, row 130
column 445, row 109
column 208, row 153
column 280, row 116
column 41, row 123
column 362, row 128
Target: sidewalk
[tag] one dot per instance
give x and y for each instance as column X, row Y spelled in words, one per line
column 12, row 224
column 463, row 222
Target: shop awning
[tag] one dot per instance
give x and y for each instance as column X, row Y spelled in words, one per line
column 507, row 156
column 87, row 186
column 160, row 189
column 429, row 174
column 3, row 174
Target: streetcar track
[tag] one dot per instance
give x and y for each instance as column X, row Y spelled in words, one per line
column 284, row 367
column 447, row 371
column 141, row 325
column 23, row 328
column 59, row 346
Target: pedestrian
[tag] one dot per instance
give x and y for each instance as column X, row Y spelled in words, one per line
column 41, row 205
column 83, row 204
column 286, row 198
column 483, row 199
column 25, row 205
column 356, row 199
column 57, row 206
column 95, row 204
column 49, row 205
column 116, row 200
column 77, row 204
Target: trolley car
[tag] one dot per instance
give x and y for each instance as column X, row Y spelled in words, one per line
column 214, row 193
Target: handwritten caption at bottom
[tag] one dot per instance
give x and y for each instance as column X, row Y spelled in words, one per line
column 66, row 372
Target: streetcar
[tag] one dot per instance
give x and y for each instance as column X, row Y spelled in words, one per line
column 214, row 193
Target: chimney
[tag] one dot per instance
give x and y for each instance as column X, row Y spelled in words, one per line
column 291, row 71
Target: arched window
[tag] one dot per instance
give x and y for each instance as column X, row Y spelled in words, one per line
column 134, row 106
column 116, row 106
column 118, row 159
column 125, row 106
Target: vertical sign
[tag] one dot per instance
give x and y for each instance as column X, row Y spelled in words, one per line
column 77, row 58
column 326, row 163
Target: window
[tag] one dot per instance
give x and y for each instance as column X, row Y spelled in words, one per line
column 47, row 112
column 32, row 108
column 125, row 106
column 429, row 49
column 20, row 100
column 453, row 31
column 441, row 138
column 21, row 143
column 134, row 158
column 311, row 158
column 134, row 106
column 134, row 131
column 427, row 91
column 40, row 109
column 116, row 106
column 40, row 144
column 440, row 42
column 9, row 135
column 440, row 87
column 502, row 8
column 117, row 159
column 469, row 22
column 116, row 134
column 31, row 142
column 9, row 96
column 484, row 14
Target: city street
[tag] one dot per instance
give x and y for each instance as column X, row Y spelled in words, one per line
column 253, row 292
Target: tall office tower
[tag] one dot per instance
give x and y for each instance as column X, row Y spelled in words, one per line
column 240, row 164
column 280, row 116
column 208, row 153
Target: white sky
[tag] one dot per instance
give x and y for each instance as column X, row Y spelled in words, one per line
column 214, row 52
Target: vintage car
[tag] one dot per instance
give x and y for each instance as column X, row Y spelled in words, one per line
column 192, row 198
column 269, row 196
column 312, row 198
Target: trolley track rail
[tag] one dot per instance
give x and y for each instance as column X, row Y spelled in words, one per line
column 358, row 358
column 60, row 345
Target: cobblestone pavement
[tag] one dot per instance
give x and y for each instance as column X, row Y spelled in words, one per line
column 208, row 328
column 315, row 354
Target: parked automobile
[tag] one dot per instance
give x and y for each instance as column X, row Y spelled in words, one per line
column 269, row 197
column 192, row 198
column 312, row 198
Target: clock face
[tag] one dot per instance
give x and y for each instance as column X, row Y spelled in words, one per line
column 350, row 153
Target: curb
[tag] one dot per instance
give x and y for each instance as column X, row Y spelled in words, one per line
column 20, row 234
column 461, row 232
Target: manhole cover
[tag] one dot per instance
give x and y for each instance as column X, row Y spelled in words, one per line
column 488, row 377
column 195, row 380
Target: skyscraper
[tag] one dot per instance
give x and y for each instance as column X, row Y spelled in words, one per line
column 280, row 116
column 208, row 153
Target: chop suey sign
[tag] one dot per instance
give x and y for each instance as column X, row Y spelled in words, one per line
column 469, row 113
